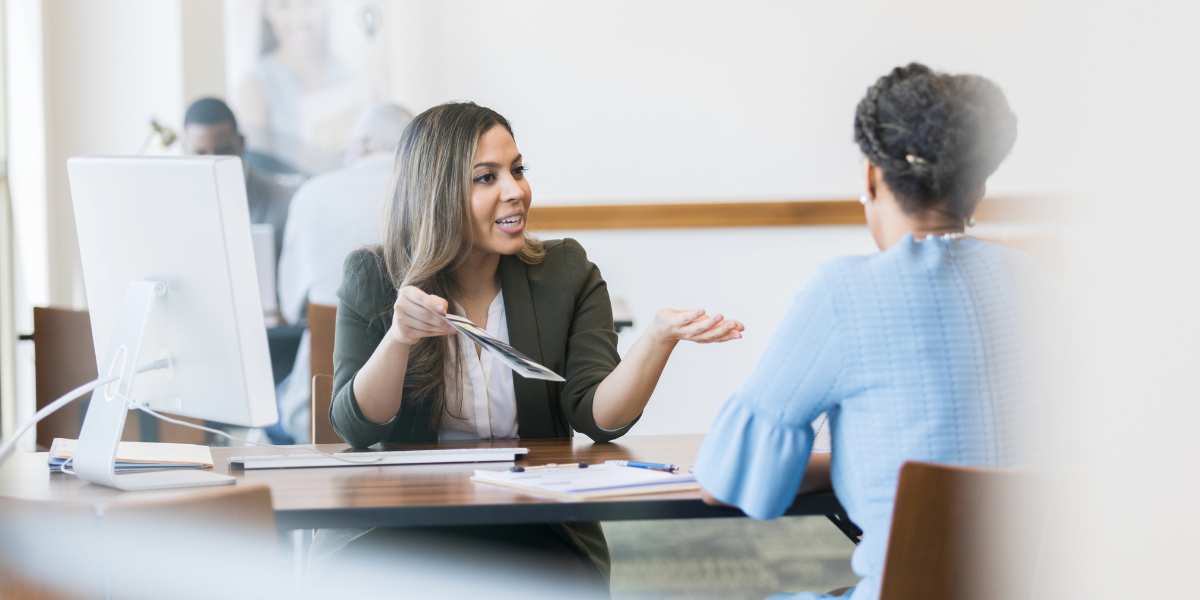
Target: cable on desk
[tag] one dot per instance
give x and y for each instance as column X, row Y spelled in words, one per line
column 11, row 444
column 66, row 399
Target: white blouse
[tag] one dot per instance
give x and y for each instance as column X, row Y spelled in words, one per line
column 489, row 405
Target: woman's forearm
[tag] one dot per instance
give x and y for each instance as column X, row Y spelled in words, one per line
column 379, row 384
column 622, row 396
column 816, row 479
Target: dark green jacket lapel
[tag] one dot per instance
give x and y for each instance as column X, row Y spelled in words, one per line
column 558, row 312
column 534, row 418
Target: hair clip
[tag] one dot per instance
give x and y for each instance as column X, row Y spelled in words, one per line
column 913, row 159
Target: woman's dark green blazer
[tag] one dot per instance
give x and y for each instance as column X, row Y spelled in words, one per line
column 558, row 313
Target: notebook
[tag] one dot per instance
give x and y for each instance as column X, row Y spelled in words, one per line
column 596, row 481
column 140, row 456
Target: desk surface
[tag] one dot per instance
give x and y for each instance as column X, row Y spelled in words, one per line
column 412, row 495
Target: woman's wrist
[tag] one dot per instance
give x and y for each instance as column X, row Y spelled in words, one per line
column 379, row 375
column 661, row 339
column 394, row 343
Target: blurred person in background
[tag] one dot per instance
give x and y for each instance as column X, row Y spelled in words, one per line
column 300, row 99
column 210, row 128
column 915, row 352
column 331, row 216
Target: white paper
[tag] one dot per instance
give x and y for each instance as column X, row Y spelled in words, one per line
column 595, row 478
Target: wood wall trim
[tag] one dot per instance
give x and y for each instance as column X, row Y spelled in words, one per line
column 707, row 215
column 697, row 215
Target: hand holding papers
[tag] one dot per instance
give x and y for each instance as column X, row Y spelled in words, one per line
column 520, row 364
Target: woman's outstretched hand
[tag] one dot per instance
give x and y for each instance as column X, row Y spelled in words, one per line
column 418, row 315
column 673, row 325
column 620, row 398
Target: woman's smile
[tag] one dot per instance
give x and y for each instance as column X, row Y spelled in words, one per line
column 513, row 224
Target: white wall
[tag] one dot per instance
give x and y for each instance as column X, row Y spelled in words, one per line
column 202, row 46
column 615, row 101
column 109, row 67
column 627, row 101
column 27, row 148
column 702, row 99
column 1121, row 442
column 747, row 274
column 86, row 78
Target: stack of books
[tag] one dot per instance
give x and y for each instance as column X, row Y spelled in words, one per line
column 140, row 456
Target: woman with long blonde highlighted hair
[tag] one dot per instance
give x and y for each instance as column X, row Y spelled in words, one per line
column 456, row 242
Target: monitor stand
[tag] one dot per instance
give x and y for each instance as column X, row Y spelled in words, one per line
column 97, row 449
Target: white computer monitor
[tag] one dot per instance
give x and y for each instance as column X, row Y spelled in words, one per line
column 169, row 271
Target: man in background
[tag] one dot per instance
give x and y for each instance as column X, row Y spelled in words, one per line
column 331, row 216
column 209, row 128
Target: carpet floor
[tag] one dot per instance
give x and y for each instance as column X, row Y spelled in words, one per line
column 727, row 558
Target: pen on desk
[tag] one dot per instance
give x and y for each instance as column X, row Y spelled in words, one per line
column 638, row 464
column 520, row 469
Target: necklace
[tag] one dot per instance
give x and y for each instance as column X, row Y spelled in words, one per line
column 953, row 235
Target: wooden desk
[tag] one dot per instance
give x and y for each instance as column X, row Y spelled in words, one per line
column 413, row 495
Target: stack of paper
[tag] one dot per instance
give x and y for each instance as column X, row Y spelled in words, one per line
column 520, row 364
column 140, row 456
column 595, row 481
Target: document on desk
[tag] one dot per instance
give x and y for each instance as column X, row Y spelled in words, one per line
column 140, row 456
column 520, row 364
column 595, row 481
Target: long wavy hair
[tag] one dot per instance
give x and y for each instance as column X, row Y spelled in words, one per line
column 428, row 232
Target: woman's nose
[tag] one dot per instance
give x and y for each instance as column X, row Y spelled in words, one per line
column 510, row 189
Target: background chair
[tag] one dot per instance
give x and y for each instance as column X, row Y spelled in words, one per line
column 322, row 320
column 322, row 396
column 64, row 359
column 954, row 535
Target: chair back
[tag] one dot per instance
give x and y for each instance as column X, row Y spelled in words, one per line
column 322, row 396
column 322, row 321
column 954, row 535
column 63, row 359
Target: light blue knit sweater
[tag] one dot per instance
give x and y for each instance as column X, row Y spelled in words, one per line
column 914, row 353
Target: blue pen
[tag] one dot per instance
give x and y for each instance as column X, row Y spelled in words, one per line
column 638, row 464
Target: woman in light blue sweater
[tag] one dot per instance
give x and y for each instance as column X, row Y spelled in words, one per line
column 912, row 352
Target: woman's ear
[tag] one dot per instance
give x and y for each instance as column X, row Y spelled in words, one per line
column 871, row 173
